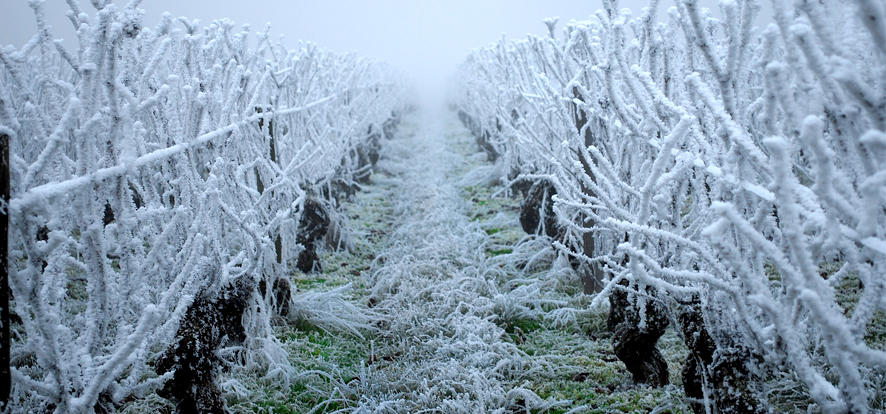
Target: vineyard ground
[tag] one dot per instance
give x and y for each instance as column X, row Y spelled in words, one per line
column 454, row 307
column 439, row 259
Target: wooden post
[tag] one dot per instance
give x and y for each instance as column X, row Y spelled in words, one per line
column 591, row 275
column 278, row 241
column 5, row 340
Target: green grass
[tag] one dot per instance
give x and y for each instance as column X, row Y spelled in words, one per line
column 340, row 355
column 787, row 393
column 499, row 252
column 848, row 292
column 309, row 349
column 594, row 377
column 588, row 371
column 485, row 203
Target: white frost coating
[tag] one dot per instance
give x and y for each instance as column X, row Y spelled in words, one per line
column 146, row 171
column 748, row 226
column 46, row 191
column 444, row 301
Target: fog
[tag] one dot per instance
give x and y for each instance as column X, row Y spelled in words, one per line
column 425, row 39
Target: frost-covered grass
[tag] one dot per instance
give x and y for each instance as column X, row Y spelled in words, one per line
column 327, row 358
column 440, row 348
column 368, row 221
column 469, row 313
column 582, row 366
column 443, row 322
column 586, row 371
column 691, row 151
column 591, row 375
column 152, row 167
column 324, row 358
column 786, row 391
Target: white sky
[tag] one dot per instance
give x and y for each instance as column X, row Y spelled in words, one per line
column 425, row 38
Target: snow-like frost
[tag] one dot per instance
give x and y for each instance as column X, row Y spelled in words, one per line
column 442, row 345
column 710, row 158
column 153, row 165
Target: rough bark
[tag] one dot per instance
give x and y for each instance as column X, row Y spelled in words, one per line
column 537, row 210
column 481, row 136
column 484, row 141
column 389, row 127
column 367, row 154
column 312, row 227
column 591, row 274
column 635, row 345
column 108, row 214
column 721, row 370
column 308, row 260
column 281, row 294
column 213, row 320
column 537, row 217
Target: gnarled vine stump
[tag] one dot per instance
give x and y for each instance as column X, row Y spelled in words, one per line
column 213, row 320
column 312, row 226
column 537, row 210
column 721, row 370
column 634, row 345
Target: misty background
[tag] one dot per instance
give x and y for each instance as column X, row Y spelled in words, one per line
column 426, row 39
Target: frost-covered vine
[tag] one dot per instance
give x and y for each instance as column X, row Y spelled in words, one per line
column 150, row 165
column 707, row 157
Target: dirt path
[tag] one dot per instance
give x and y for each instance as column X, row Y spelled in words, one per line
column 461, row 311
column 442, row 347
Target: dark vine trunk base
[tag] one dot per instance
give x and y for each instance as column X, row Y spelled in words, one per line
column 482, row 137
column 213, row 320
column 633, row 345
column 722, row 370
column 312, row 227
column 537, row 210
column 281, row 294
